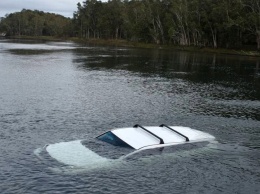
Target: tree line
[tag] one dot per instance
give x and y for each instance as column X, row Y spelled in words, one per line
column 209, row 23
column 35, row 23
column 213, row 23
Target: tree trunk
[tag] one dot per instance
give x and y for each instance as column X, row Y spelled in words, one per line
column 117, row 29
column 154, row 32
column 159, row 24
column 214, row 38
column 258, row 39
column 257, row 67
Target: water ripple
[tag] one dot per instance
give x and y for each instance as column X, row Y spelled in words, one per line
column 73, row 92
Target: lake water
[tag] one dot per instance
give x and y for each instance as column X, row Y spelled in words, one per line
column 60, row 91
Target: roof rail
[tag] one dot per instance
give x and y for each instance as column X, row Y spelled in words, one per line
column 163, row 125
column 161, row 140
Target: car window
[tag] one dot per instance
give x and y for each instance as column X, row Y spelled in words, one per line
column 105, row 149
column 111, row 138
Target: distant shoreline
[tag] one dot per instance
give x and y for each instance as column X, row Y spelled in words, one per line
column 125, row 43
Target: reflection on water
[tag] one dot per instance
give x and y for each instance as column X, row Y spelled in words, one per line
column 193, row 66
column 54, row 92
column 228, row 80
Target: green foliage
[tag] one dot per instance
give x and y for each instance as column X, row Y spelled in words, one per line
column 201, row 23
column 221, row 23
column 35, row 23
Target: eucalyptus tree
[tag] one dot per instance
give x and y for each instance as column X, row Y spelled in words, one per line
column 196, row 27
column 155, row 13
column 135, row 21
column 179, row 11
column 91, row 18
column 252, row 9
column 77, row 21
column 113, row 18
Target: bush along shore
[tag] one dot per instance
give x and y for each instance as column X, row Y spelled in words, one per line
column 227, row 26
column 125, row 43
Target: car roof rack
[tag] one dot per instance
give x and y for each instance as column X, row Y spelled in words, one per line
column 163, row 125
column 161, row 140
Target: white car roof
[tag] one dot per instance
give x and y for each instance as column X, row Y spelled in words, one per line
column 139, row 137
column 75, row 153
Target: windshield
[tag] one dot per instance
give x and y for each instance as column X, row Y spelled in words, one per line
column 111, row 138
column 104, row 145
column 105, row 149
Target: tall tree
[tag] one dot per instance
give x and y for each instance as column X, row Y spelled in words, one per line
column 252, row 8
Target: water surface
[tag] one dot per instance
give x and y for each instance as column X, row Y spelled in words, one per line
column 60, row 91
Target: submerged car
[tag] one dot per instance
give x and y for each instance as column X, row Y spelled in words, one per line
column 124, row 144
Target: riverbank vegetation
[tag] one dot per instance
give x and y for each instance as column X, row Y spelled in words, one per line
column 228, row 24
column 35, row 23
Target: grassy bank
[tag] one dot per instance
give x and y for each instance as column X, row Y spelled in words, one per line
column 43, row 38
column 125, row 43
